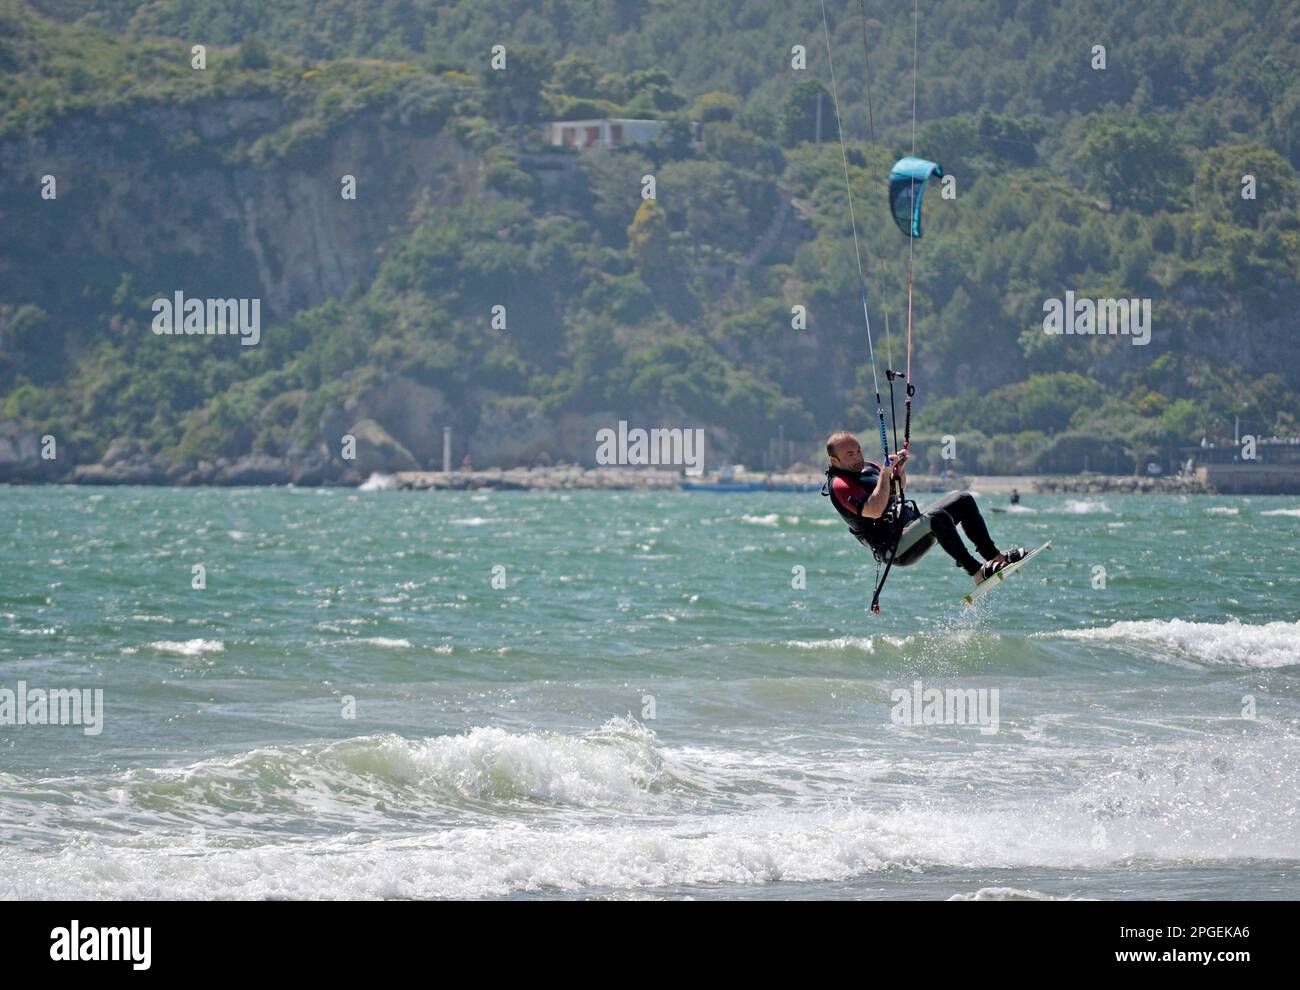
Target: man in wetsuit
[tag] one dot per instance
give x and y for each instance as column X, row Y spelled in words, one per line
column 863, row 495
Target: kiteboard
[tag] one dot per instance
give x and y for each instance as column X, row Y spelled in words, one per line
column 1001, row 575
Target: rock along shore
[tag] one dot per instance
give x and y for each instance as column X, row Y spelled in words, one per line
column 575, row 478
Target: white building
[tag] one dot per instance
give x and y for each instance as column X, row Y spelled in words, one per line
column 599, row 133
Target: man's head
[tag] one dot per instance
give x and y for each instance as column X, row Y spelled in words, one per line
column 844, row 451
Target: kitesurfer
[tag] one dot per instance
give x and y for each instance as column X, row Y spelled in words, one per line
column 864, row 496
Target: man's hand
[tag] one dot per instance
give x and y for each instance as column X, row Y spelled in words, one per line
column 900, row 471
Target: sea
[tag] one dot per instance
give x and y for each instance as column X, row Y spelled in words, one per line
column 278, row 693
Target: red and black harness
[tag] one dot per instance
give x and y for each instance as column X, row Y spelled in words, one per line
column 881, row 536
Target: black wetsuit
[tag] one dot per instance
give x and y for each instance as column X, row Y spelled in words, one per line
column 936, row 523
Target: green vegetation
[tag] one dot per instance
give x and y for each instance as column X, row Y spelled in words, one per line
column 1119, row 183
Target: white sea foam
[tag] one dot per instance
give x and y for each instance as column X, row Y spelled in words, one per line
column 748, row 848
column 379, row 482
column 863, row 643
column 1224, row 510
column 335, row 625
column 612, row 767
column 1007, row 894
column 621, row 812
column 1085, row 506
column 189, row 647
column 1237, row 644
column 383, row 641
column 772, row 519
column 1281, row 512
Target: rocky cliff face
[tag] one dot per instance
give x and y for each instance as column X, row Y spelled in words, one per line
column 193, row 199
column 173, row 196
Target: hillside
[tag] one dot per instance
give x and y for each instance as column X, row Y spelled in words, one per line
column 1124, row 182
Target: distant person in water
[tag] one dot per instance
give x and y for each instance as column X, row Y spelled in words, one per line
column 863, row 495
column 1015, row 497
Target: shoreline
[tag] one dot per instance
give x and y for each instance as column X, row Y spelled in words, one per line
column 573, row 478
column 566, row 478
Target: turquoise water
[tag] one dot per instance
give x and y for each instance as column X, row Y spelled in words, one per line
column 405, row 694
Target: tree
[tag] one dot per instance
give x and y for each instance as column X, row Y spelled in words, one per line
column 614, row 181
column 648, row 240
column 650, row 91
column 1047, row 402
column 1219, row 184
column 253, row 54
column 799, row 114
column 577, row 76
column 984, row 143
column 735, row 145
column 1183, row 421
column 715, row 107
column 1138, row 163
column 674, row 139
column 1285, row 124
column 515, row 92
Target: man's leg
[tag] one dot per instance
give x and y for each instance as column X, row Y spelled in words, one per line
column 946, row 514
column 965, row 511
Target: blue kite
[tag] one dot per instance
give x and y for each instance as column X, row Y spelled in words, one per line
column 907, row 181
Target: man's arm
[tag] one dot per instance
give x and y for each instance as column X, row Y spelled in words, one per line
column 875, row 506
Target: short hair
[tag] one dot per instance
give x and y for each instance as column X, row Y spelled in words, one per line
column 835, row 439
